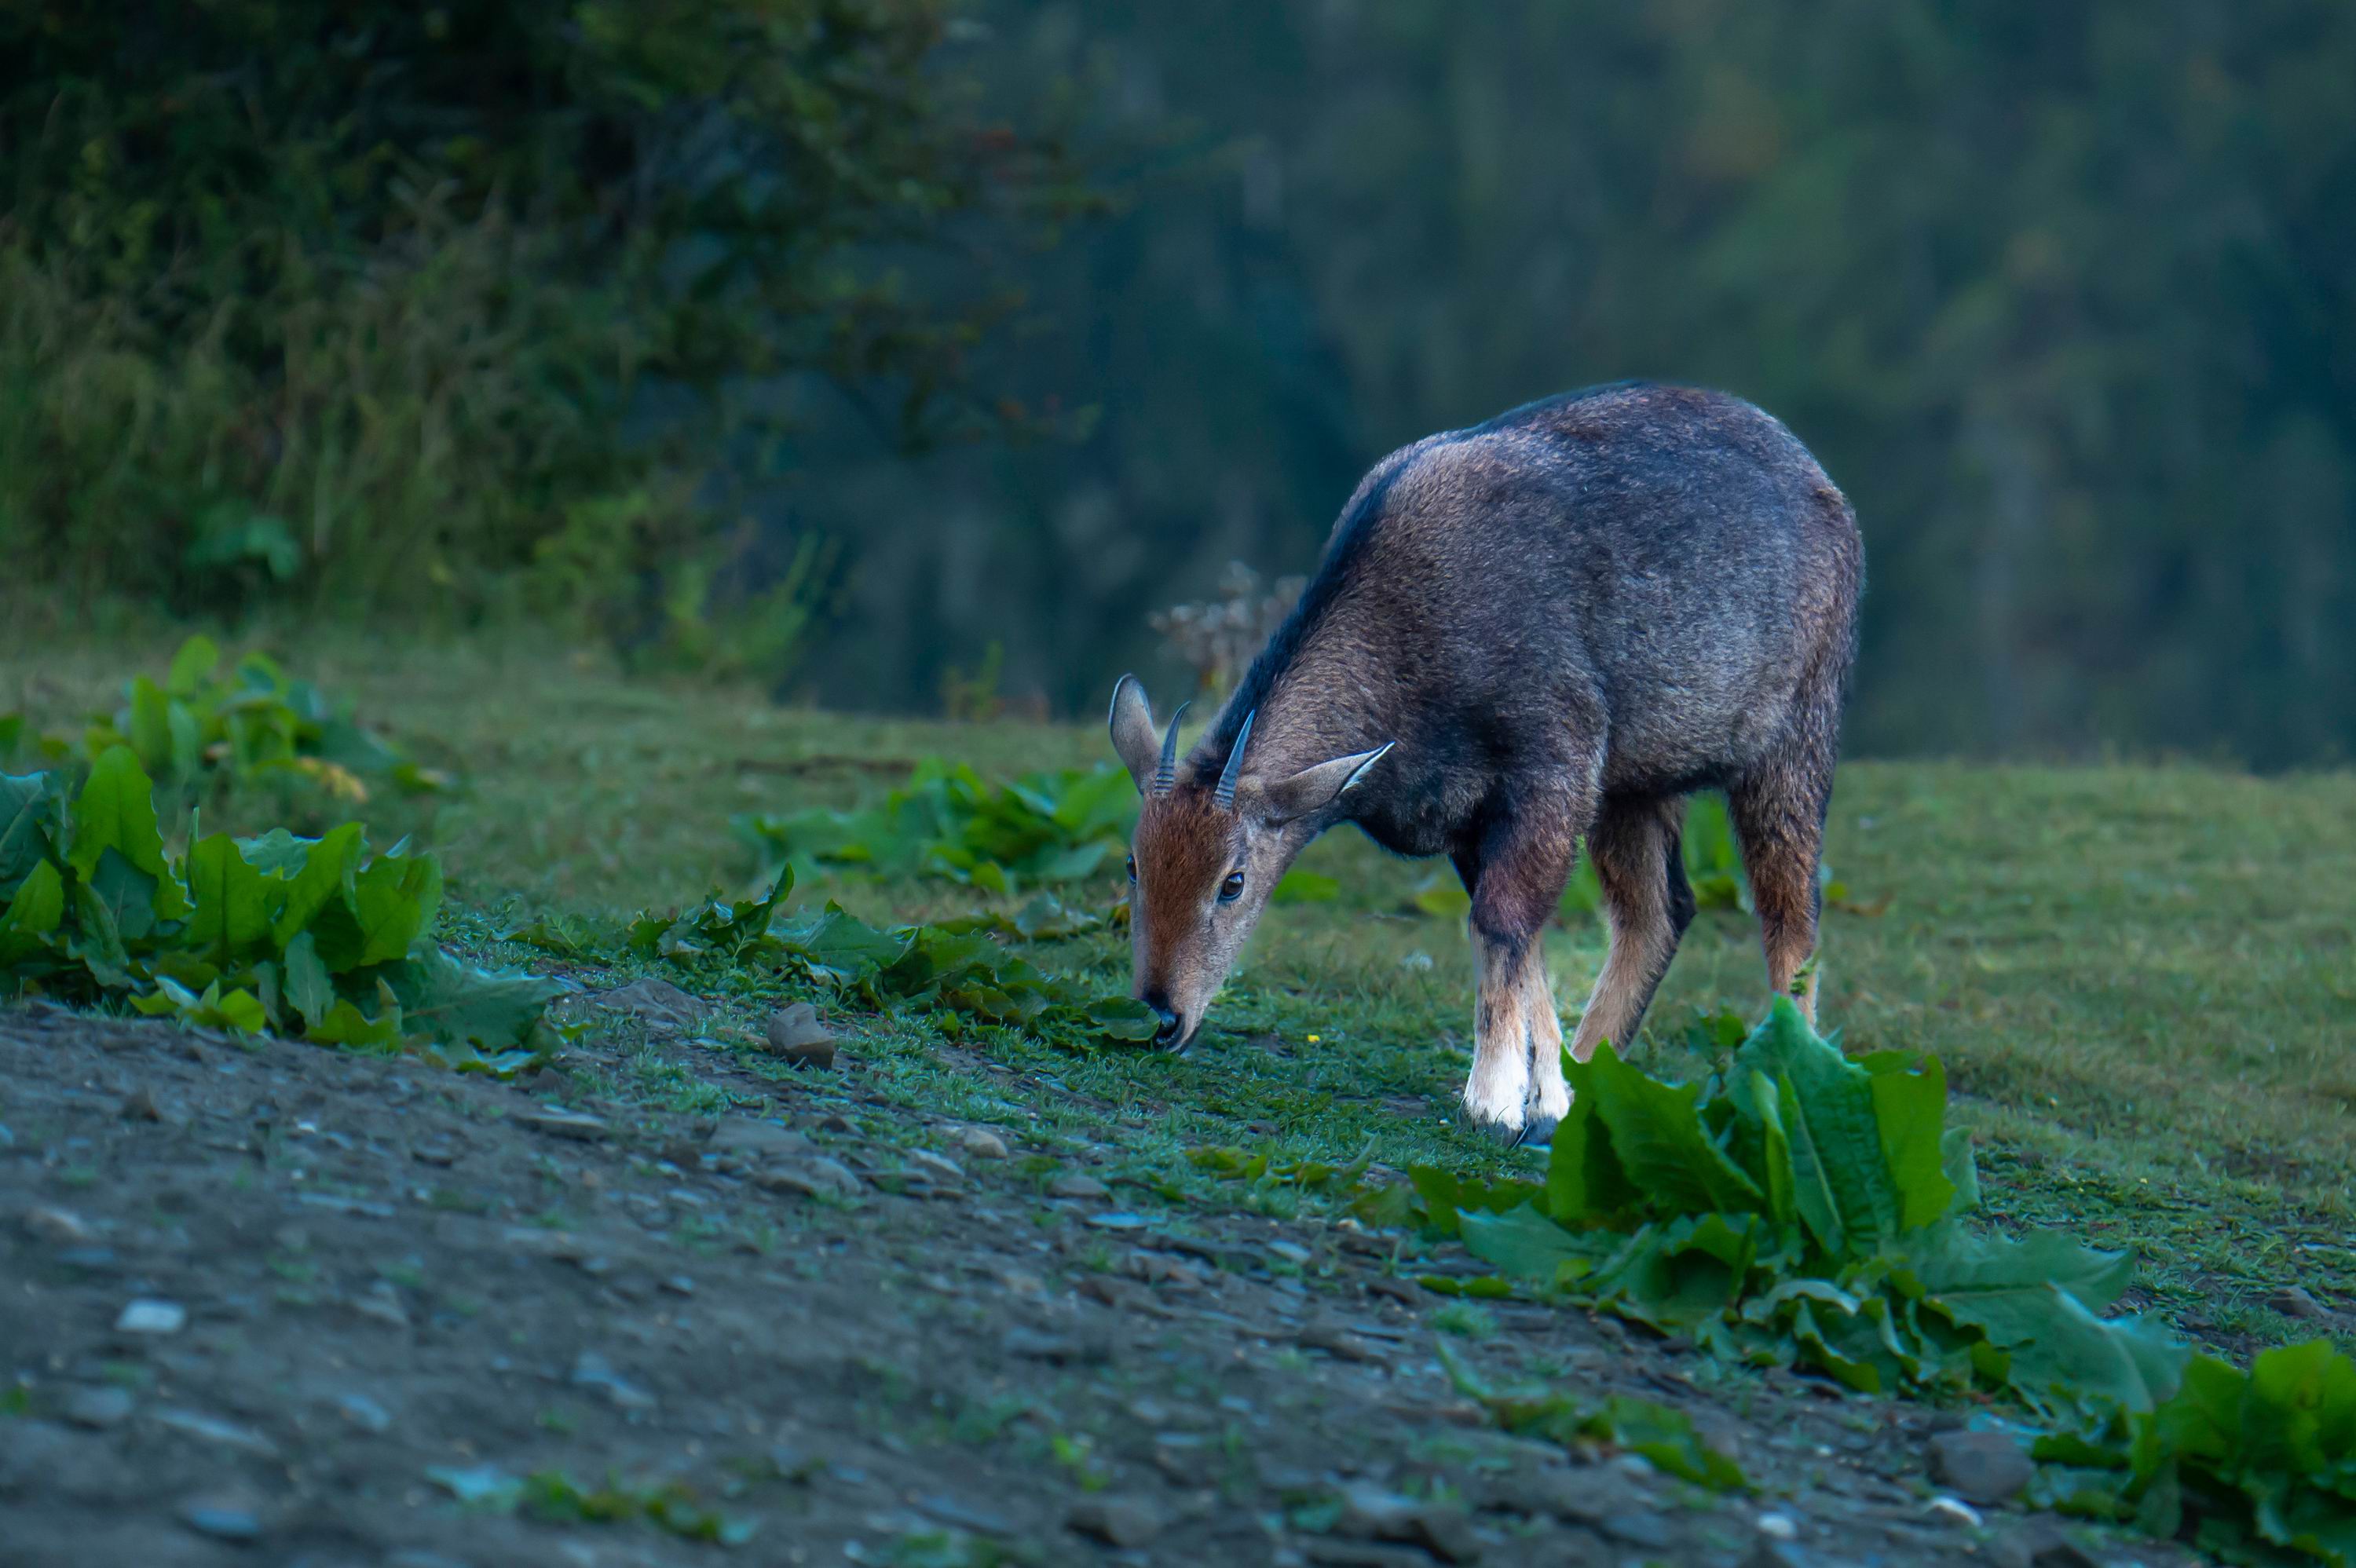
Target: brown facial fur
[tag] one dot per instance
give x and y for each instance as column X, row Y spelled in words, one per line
column 1183, row 939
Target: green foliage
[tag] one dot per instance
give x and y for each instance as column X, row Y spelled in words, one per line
column 1642, row 1426
column 956, row 973
column 451, row 309
column 2242, row 1461
column 269, row 932
column 1042, row 828
column 205, row 726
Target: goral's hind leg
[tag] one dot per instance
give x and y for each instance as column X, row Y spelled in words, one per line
column 1515, row 875
column 1636, row 847
column 1779, row 819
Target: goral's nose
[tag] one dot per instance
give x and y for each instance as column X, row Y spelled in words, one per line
column 1167, row 1014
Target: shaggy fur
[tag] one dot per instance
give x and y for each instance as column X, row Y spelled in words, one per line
column 1563, row 622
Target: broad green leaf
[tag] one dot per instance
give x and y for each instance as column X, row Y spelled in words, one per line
column 1123, row 1018
column 39, row 904
column 233, row 902
column 1843, row 1188
column 459, row 1004
column 127, row 894
column 307, row 986
column 329, row 869
column 1909, row 1106
column 277, row 853
column 116, row 810
column 32, row 824
column 191, row 665
column 1585, row 1180
column 345, row 1025
column 1522, row 1243
column 1657, row 1134
column 389, row 905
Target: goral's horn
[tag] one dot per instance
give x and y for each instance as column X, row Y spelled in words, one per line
column 1167, row 773
column 1225, row 794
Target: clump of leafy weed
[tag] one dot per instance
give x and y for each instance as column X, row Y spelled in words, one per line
column 205, row 726
column 1666, row 1438
column 956, row 972
column 269, row 932
column 947, row 822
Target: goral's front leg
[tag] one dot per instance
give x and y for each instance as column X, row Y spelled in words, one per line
column 1515, row 1087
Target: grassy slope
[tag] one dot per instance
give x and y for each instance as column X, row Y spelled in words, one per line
column 2140, row 979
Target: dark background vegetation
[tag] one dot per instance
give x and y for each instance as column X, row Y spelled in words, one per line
column 842, row 342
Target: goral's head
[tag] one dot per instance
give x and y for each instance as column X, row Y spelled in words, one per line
column 1206, row 855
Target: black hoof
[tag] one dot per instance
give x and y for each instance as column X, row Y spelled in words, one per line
column 1536, row 1133
column 1503, row 1132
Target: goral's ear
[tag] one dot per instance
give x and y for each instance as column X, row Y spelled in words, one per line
column 1132, row 731
column 1312, row 790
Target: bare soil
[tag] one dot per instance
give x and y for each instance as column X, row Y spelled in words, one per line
column 382, row 1295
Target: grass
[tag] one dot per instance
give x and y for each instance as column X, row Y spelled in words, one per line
column 2142, row 979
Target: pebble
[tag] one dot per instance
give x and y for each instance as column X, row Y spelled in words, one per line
column 664, row 1008
column 147, row 1317
column 949, row 1510
column 592, row 1371
column 2294, row 1301
column 1321, row 1334
column 213, row 1429
column 752, row 1140
column 1369, row 1512
column 679, row 1285
column 1648, row 1530
column 810, row 1177
column 1118, row 1220
column 1778, row 1527
column 99, row 1408
column 139, row 1105
column 1980, row 1467
column 60, row 1225
column 1031, row 1344
column 1291, row 1252
column 1954, row 1510
column 364, row 1412
column 795, row 1034
column 938, row 1167
column 1072, row 1185
column 559, row 1123
column 227, row 1516
column 1116, row 1521
column 980, row 1143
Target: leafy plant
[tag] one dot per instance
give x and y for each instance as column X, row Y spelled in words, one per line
column 275, row 931
column 2241, row 1460
column 204, row 724
column 957, row 971
column 947, row 822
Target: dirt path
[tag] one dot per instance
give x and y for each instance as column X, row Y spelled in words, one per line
column 381, row 1296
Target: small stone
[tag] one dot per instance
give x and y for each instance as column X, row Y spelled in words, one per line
column 949, row 1510
column 938, row 1167
column 1980, row 1467
column 152, row 1318
column 1323, row 1334
column 139, row 1105
column 1116, row 1521
column 812, row 1177
column 381, row 1306
column 1648, row 1530
column 795, row 1035
column 1073, row 1185
column 530, row 1241
column 749, row 1138
column 2294, row 1301
column 99, row 1408
column 1161, row 1268
column 1371, row 1513
column 1954, row 1510
column 1118, row 1220
column 364, row 1412
column 226, row 1517
column 663, row 1007
column 434, row 1154
column 980, row 1143
column 1779, row 1527
column 1291, row 1253
column 1111, row 1292
column 592, row 1371
column 212, row 1429
column 679, row 1285
column 1063, row 1350
column 62, row 1226
column 2038, row 1543
column 559, row 1123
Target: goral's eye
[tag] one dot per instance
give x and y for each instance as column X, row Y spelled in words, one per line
column 1232, row 889
column 1132, row 868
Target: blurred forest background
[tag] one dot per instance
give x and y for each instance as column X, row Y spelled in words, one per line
column 897, row 352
